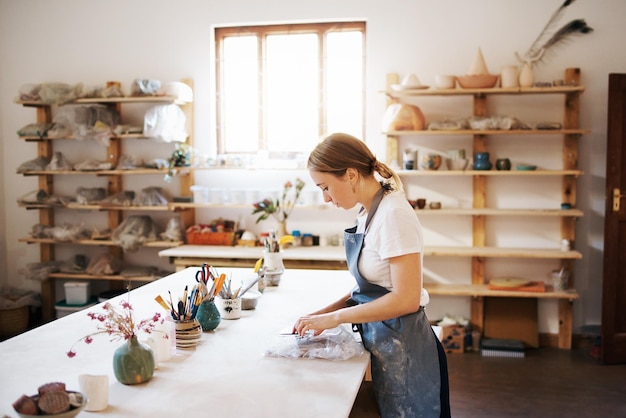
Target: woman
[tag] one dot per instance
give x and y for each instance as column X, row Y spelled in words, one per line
column 384, row 253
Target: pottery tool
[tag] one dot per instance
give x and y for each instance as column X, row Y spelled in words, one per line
column 162, row 302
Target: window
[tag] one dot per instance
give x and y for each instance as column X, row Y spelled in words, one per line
column 281, row 87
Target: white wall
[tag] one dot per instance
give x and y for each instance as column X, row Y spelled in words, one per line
column 91, row 42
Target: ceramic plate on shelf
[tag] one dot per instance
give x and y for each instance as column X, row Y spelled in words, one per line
column 526, row 167
column 400, row 87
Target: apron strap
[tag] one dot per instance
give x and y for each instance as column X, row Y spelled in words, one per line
column 377, row 198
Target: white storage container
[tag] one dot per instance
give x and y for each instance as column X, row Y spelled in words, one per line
column 76, row 293
column 63, row 308
column 200, row 194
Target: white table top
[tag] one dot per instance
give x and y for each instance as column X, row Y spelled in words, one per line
column 227, row 375
column 218, row 251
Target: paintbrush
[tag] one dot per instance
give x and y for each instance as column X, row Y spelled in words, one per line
column 161, row 302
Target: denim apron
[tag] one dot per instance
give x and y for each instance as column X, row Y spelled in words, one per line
column 409, row 368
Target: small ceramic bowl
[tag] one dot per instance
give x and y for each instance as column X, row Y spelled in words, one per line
column 526, row 167
column 477, row 81
column 250, row 299
column 77, row 401
column 456, row 164
column 443, row 81
column 435, row 205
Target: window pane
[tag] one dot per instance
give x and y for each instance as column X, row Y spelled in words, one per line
column 344, row 98
column 292, row 92
column 240, row 94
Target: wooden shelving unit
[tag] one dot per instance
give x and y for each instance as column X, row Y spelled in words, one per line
column 115, row 184
column 480, row 252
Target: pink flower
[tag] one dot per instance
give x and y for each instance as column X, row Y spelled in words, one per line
column 119, row 325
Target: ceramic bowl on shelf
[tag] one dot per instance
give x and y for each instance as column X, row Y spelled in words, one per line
column 443, row 81
column 430, row 161
column 477, row 81
column 457, row 163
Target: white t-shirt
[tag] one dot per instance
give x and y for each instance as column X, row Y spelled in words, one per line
column 394, row 230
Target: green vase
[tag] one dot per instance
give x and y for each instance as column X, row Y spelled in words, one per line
column 208, row 315
column 133, row 362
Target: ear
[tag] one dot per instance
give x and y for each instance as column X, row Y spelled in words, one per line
column 352, row 174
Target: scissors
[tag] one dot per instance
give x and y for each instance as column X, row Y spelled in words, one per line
column 204, row 274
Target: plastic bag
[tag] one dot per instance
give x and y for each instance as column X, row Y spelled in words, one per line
column 88, row 122
column 89, row 195
column 129, row 162
column 35, row 129
column 104, row 265
column 59, row 163
column 16, row 298
column 151, row 196
column 145, row 87
column 166, row 123
column 59, row 93
column 134, row 231
column 124, row 198
column 174, row 230
column 36, row 164
column 40, row 271
column 93, row 165
column 66, row 232
column 332, row 344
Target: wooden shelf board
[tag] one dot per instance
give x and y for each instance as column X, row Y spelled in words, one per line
column 178, row 171
column 96, row 100
column 495, row 252
column 107, row 243
column 482, row 290
column 118, row 277
column 487, row 91
column 428, row 132
column 411, row 173
column 574, row 213
column 45, row 138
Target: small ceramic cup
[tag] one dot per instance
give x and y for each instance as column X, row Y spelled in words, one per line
column 444, row 81
column 96, row 388
column 421, row 203
column 229, row 308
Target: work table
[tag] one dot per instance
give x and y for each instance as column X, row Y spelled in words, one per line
column 325, row 257
column 226, row 375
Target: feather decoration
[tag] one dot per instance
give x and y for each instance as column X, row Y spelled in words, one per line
column 548, row 37
column 535, row 47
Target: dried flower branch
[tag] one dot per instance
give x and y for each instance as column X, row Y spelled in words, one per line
column 119, row 325
column 280, row 208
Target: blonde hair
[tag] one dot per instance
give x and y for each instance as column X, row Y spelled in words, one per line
column 339, row 151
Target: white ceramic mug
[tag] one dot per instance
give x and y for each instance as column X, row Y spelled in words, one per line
column 96, row 388
column 229, row 308
column 509, row 76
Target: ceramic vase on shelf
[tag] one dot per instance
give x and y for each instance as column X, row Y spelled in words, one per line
column 481, row 161
column 527, row 75
column 133, row 362
column 208, row 315
column 281, row 229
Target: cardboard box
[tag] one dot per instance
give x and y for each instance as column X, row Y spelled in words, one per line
column 453, row 339
column 76, row 293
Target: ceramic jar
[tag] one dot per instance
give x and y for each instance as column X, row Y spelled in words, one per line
column 509, row 76
column 208, row 315
column 133, row 362
column 503, row 164
column 481, row 161
column 527, row 75
column 430, row 161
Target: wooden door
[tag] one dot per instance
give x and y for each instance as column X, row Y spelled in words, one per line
column 614, row 280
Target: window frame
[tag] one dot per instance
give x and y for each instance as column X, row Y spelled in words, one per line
column 262, row 32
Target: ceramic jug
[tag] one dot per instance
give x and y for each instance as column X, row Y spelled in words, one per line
column 481, row 161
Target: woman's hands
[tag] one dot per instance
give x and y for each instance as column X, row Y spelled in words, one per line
column 315, row 323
